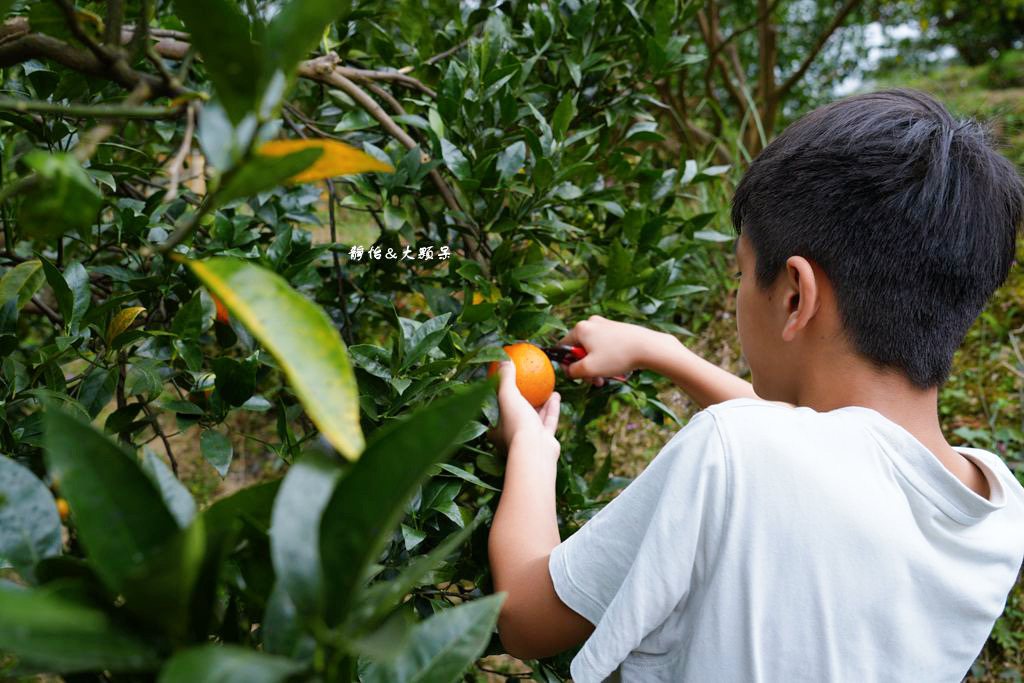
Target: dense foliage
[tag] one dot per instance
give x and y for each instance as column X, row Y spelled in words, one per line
column 526, row 184
column 189, row 258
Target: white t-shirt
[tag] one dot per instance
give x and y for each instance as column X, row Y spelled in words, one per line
column 767, row 543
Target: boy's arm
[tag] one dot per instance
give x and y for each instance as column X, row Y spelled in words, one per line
column 703, row 381
column 534, row 622
column 615, row 348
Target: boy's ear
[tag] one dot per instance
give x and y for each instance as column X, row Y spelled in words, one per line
column 801, row 295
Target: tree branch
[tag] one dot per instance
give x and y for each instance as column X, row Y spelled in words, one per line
column 115, row 111
column 711, row 42
column 823, row 37
column 38, row 45
column 79, row 33
column 743, row 29
column 91, row 139
column 178, row 162
column 54, row 317
column 447, row 53
column 324, row 69
column 113, row 23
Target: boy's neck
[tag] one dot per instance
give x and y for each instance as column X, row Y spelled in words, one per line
column 891, row 395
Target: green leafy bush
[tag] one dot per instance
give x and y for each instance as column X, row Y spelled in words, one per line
column 149, row 288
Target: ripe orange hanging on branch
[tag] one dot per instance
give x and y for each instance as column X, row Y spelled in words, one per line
column 535, row 377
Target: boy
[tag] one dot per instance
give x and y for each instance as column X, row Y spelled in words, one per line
column 836, row 538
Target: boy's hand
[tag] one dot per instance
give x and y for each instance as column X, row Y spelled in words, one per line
column 613, row 348
column 519, row 420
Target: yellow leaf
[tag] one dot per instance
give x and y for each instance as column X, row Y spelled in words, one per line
column 122, row 321
column 337, row 158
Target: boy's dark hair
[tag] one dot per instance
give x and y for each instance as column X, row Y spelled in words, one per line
column 912, row 215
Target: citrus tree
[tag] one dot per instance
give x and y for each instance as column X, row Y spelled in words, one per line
column 324, row 218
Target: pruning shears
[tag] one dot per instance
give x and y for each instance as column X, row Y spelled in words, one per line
column 564, row 354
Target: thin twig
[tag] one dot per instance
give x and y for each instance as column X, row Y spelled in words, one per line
column 71, row 18
column 331, row 199
column 377, row 75
column 156, row 60
column 155, row 422
column 48, row 312
column 743, row 29
column 447, row 53
column 92, row 138
column 177, row 163
column 308, row 122
column 823, row 37
column 118, row 111
column 346, row 331
column 187, row 226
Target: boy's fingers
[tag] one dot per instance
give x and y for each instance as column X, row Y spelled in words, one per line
column 579, row 370
column 550, row 412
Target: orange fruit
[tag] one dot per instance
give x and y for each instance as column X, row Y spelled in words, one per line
column 222, row 311
column 535, row 378
column 63, row 509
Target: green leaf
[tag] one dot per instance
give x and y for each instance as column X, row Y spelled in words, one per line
column 511, row 160
column 368, row 503
column 78, row 280
column 21, row 282
column 300, row 336
column 563, row 116
column 227, row 664
column 188, row 322
column 380, row 598
column 61, row 290
column 455, row 160
column 65, row 636
column 283, row 633
column 295, row 531
column 222, row 35
column 249, row 508
column 423, row 337
column 96, row 389
column 712, row 236
column 263, row 173
column 29, row 524
column 620, row 265
column 130, row 537
column 297, row 29
column 644, row 131
column 443, row 646
column 236, row 380
column 64, row 199
column 463, row 474
column 217, row 450
column 177, row 498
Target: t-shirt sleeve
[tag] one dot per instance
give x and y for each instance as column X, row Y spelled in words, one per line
column 631, row 564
